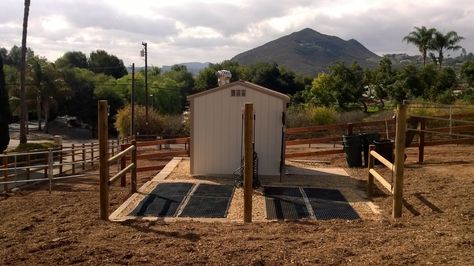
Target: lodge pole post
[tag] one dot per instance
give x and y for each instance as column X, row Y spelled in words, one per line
column 103, row 160
column 400, row 135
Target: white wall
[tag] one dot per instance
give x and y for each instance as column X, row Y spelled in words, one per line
column 217, row 130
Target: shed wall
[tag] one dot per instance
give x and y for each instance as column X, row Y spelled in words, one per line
column 217, row 131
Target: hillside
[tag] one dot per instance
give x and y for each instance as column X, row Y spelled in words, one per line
column 309, row 52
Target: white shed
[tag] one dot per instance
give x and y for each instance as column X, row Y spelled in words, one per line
column 216, row 128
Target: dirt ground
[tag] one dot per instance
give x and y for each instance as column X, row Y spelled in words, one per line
column 436, row 228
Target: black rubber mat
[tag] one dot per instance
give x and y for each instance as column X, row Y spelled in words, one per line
column 324, row 194
column 284, row 203
column 163, row 201
column 209, row 201
column 330, row 204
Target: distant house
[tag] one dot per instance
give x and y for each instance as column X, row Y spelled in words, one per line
column 217, row 133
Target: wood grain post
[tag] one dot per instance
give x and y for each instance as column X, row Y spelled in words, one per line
column 248, row 162
column 421, row 140
column 400, row 134
column 83, row 157
column 123, row 164
column 350, row 128
column 370, row 181
column 5, row 172
column 103, row 157
column 61, row 159
column 92, row 154
column 28, row 164
column 73, row 158
column 133, row 179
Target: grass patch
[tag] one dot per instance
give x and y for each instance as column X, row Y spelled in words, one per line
column 34, row 146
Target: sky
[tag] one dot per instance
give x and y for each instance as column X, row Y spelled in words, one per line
column 213, row 30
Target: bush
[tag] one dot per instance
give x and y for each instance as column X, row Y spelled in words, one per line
column 167, row 125
column 34, row 146
column 301, row 116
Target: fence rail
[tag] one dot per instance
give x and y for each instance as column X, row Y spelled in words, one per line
column 57, row 163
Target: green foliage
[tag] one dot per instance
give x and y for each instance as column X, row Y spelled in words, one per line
column 161, row 125
column 441, row 42
column 72, row 59
column 207, row 79
column 5, row 113
column 301, row 116
column 34, row 146
column 467, row 72
column 101, row 62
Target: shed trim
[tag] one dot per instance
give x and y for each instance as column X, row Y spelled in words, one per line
column 247, row 84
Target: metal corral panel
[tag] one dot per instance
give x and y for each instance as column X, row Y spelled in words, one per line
column 216, row 130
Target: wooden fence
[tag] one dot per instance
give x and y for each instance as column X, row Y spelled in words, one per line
column 61, row 162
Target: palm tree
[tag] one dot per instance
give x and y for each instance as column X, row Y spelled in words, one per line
column 421, row 38
column 442, row 42
column 23, row 109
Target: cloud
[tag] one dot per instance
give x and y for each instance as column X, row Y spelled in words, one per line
column 215, row 30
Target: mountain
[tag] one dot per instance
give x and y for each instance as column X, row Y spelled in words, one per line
column 309, row 52
column 193, row 67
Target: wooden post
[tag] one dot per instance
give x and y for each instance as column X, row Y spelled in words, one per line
column 123, row 164
column 113, row 148
column 400, row 134
column 28, row 164
column 45, row 168
column 103, row 157
column 50, row 169
column 83, row 157
column 133, row 180
column 248, row 165
column 73, row 158
column 92, row 154
column 5, row 173
column 370, row 181
column 350, row 128
column 421, row 140
column 61, row 159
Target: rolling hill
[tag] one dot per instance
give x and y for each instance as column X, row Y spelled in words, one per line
column 309, row 52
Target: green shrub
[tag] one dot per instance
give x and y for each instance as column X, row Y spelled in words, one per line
column 33, row 146
column 323, row 115
column 163, row 125
column 303, row 116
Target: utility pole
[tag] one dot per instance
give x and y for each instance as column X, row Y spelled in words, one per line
column 145, row 54
column 132, row 100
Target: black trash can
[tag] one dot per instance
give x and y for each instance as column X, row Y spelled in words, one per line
column 385, row 148
column 353, row 148
column 367, row 140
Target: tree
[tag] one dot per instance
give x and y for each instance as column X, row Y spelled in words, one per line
column 5, row 113
column 407, row 84
column 101, row 62
column 421, row 38
column 322, row 91
column 23, row 110
column 467, row 72
column 72, row 59
column 207, row 78
column 383, row 77
column 442, row 42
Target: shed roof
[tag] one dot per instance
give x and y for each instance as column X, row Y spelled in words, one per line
column 246, row 84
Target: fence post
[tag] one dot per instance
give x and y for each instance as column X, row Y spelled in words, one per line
column 350, row 128
column 103, row 160
column 50, row 169
column 248, row 165
column 83, row 157
column 421, row 140
column 73, row 158
column 400, row 134
column 5, row 172
column 370, row 181
column 28, row 164
column 61, row 160
column 92, row 154
column 113, row 148
column 133, row 179
column 123, row 164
